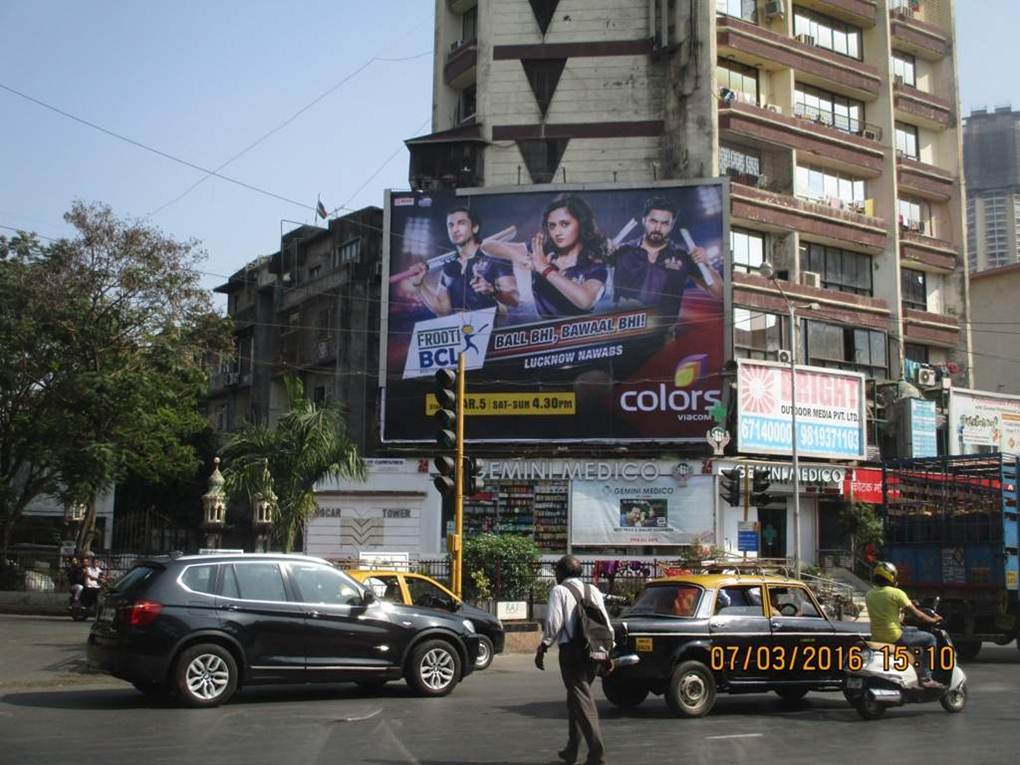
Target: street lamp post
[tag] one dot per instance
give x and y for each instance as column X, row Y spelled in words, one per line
column 769, row 273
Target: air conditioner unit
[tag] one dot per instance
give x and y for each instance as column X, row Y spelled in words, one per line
column 774, row 108
column 926, row 377
column 775, row 8
column 727, row 96
column 784, row 356
column 806, row 39
column 811, row 279
column 870, row 133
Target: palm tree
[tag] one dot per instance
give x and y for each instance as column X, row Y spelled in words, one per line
column 307, row 445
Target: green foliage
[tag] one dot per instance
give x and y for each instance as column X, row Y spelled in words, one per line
column 307, row 445
column 103, row 339
column 507, row 561
column 861, row 523
column 481, row 584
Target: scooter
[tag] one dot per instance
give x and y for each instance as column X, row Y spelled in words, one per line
column 888, row 677
column 86, row 605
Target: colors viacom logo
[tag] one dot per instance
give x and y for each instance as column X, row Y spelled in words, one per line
column 686, row 404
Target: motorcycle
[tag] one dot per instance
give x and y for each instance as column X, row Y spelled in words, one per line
column 888, row 678
column 86, row 606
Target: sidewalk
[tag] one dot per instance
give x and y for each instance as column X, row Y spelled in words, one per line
column 27, row 602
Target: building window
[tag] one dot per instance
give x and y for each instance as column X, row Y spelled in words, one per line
column 972, row 254
column 467, row 104
column 827, row 32
column 348, row 252
column 758, row 335
column 832, row 188
column 830, row 109
column 741, row 163
column 839, row 347
column 738, row 78
column 314, row 272
column 469, row 24
column 915, row 214
column 906, row 141
column 748, row 249
column 904, row 66
column 915, row 289
column 915, row 352
column 840, row 270
column 741, row 9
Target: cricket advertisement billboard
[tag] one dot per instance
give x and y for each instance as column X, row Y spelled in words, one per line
column 830, row 411
column 583, row 314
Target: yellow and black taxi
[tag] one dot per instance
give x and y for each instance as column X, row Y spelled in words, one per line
column 702, row 634
column 425, row 592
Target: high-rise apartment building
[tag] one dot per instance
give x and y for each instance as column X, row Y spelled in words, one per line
column 991, row 156
column 837, row 122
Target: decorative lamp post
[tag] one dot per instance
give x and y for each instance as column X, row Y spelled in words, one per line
column 214, row 506
column 263, row 507
column 769, row 273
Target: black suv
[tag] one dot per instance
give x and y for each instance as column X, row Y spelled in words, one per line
column 202, row 626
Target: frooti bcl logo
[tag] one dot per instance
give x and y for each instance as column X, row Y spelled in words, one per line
column 439, row 343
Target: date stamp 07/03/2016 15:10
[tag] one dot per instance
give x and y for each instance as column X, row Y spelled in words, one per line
column 823, row 658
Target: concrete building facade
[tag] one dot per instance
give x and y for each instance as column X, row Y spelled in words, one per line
column 996, row 331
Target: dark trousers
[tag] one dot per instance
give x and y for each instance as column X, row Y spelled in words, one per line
column 578, row 672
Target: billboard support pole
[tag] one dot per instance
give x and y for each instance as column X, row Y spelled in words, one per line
column 458, row 496
column 793, row 439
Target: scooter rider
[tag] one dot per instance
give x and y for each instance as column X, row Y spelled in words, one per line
column 885, row 602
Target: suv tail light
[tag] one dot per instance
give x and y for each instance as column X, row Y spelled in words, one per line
column 143, row 613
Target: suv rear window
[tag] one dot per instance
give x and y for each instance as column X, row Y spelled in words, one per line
column 199, row 578
column 134, row 580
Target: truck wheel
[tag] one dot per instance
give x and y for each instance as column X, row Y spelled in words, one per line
column 954, row 700
column 623, row 694
column 434, row 668
column 968, row 650
column 691, row 691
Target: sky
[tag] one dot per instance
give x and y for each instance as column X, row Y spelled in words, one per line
column 201, row 81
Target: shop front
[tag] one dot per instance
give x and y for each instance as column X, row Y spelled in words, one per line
column 596, row 508
column 768, row 531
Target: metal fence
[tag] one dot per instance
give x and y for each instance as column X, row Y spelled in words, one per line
column 47, row 570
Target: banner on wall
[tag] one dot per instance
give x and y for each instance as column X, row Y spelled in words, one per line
column 584, row 313
column 983, row 422
column 663, row 511
column 830, row 411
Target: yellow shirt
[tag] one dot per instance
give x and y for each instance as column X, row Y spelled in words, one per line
column 884, row 606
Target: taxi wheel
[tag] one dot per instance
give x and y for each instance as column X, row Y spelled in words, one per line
column 485, row 653
column 622, row 694
column 691, row 691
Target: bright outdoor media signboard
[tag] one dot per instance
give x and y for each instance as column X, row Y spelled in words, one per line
column 830, row 411
column 983, row 422
column 583, row 314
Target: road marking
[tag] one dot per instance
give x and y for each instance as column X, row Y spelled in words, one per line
column 735, row 735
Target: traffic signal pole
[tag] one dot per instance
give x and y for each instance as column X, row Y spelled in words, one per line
column 458, row 492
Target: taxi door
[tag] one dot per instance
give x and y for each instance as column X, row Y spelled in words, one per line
column 739, row 628
column 801, row 635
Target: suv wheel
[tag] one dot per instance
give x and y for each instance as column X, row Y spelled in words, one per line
column 434, row 668
column 691, row 691
column 485, row 653
column 205, row 675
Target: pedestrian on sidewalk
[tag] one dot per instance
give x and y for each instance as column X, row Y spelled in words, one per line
column 576, row 667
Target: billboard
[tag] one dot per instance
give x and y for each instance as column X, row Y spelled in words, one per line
column 665, row 510
column 583, row 313
column 983, row 422
column 830, row 411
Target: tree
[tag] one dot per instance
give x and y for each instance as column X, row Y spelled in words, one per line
column 103, row 339
column 307, row 445
column 862, row 525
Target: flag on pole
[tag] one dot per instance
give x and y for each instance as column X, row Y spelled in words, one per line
column 320, row 209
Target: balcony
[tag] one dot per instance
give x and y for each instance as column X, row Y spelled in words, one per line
column 924, row 180
column 929, row 110
column 920, row 249
column 461, row 62
column 912, row 35
column 782, row 212
column 461, row 6
column 756, row 46
column 450, row 159
column 758, row 293
column 861, row 13
column 930, row 328
column 803, row 133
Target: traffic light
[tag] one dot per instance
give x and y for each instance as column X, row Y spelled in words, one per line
column 730, row 486
column 472, row 482
column 759, row 486
column 446, row 481
column 446, row 415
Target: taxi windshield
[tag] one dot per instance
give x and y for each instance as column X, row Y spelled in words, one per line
column 668, row 600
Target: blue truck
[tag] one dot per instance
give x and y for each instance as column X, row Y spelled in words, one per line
column 950, row 527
